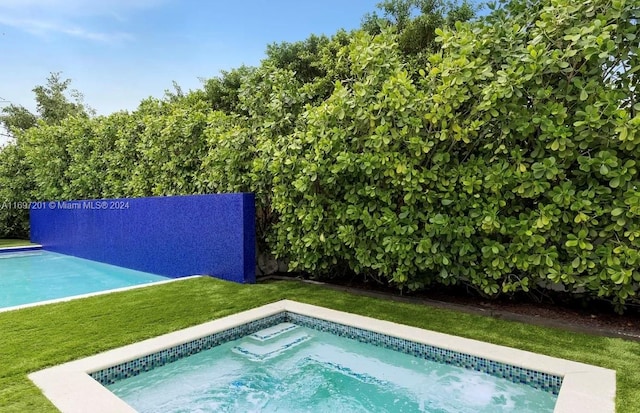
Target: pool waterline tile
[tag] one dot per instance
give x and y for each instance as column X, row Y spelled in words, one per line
column 542, row 372
column 535, row 379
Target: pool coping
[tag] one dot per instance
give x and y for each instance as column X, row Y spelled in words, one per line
column 71, row 389
column 21, row 248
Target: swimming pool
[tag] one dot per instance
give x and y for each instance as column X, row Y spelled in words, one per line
column 293, row 368
column 80, row 385
column 35, row 276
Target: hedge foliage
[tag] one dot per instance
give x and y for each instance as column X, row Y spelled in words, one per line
column 508, row 162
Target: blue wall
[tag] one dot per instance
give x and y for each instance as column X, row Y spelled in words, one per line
column 172, row 236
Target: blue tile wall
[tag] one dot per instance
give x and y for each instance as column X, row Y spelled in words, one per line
column 536, row 379
column 174, row 236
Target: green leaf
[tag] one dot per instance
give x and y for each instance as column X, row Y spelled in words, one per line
column 583, row 95
column 624, row 132
column 617, row 211
column 438, row 219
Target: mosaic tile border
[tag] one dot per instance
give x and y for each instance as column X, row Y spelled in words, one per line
column 536, row 379
column 132, row 368
column 539, row 380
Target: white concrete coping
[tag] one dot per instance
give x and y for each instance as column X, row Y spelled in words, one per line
column 25, row 248
column 585, row 388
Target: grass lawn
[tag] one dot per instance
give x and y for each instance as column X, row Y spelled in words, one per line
column 44, row 336
column 14, row 243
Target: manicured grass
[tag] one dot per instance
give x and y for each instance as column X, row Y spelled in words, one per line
column 14, row 243
column 40, row 337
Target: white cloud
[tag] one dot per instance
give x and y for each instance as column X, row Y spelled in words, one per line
column 68, row 17
column 44, row 28
column 79, row 7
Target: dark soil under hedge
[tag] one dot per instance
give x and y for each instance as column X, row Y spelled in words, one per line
column 553, row 310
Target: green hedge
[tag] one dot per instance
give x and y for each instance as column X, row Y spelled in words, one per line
column 510, row 163
column 507, row 163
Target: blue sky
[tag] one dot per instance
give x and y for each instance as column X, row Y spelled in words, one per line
column 118, row 52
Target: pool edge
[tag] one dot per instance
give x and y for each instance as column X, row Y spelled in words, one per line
column 94, row 294
column 21, row 248
column 584, row 388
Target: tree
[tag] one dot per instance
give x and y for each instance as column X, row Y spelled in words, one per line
column 18, row 170
column 301, row 57
column 222, row 92
column 52, row 104
column 396, row 12
column 15, row 192
column 416, row 21
column 16, row 117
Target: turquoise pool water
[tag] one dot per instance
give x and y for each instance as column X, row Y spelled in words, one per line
column 34, row 276
column 290, row 368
